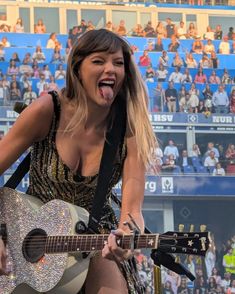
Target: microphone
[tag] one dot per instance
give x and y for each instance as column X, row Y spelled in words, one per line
column 19, row 106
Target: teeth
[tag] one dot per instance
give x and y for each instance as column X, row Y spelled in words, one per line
column 107, row 82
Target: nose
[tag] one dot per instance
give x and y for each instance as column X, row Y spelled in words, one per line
column 109, row 67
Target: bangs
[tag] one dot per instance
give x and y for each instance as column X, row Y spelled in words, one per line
column 101, row 41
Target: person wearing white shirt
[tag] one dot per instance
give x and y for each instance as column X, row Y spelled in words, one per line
column 171, row 149
column 211, row 160
column 224, row 46
column 218, row 171
column 176, row 76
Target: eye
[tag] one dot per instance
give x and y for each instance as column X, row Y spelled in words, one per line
column 97, row 61
column 119, row 63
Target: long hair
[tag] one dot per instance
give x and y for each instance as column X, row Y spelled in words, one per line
column 133, row 90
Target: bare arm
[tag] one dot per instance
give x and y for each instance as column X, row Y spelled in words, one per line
column 132, row 186
column 31, row 126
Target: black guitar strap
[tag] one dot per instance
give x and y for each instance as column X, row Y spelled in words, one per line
column 114, row 137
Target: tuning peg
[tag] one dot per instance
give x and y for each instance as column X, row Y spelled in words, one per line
column 181, row 228
column 191, row 228
column 202, row 228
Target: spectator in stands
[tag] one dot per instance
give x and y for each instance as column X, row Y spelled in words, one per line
column 171, row 97
column 149, row 74
column 218, row 171
column 60, row 73
column 41, row 83
column 2, row 53
column 211, row 286
column 210, row 160
column 208, row 94
column 36, row 71
column 138, row 31
column 176, row 76
column 220, row 100
column 169, row 164
column 226, row 78
column 158, row 98
column 52, row 41
column 215, row 273
column 226, row 281
column 25, row 83
column 184, row 160
column 150, row 46
column 214, row 60
column 184, row 103
column 109, row 26
column 5, row 82
column 195, row 151
column 121, row 29
column 174, row 45
column 181, row 31
column 209, row 47
column 183, row 287
column 149, row 31
column 5, row 28
column 205, row 61
column 18, row 27
column 160, row 30
column 167, row 289
column 171, row 149
column 186, row 78
column 224, row 46
column 40, row 28
column 12, row 69
column 15, row 93
column 174, row 279
column 44, row 90
column 4, row 93
column 145, row 59
column 194, row 98
column 4, row 42
column 27, row 58
column 201, row 108
column 192, row 31
column 200, row 77
column 197, row 46
column 57, row 56
column 209, row 35
column 15, row 57
column 170, row 28
column 230, row 33
column 52, row 86
column 161, row 73
column 29, row 96
column 46, row 71
column 214, row 79
column 232, row 101
column 229, row 265
column 159, row 45
column 211, row 147
column 14, row 80
column 163, row 59
column 82, row 27
column 200, row 285
column 90, row 26
column 73, row 37
column 177, row 60
column 230, row 152
column 218, row 33
column 38, row 55
column 190, row 61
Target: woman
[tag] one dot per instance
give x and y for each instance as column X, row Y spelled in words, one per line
column 207, row 93
column 19, row 27
column 60, row 73
column 15, row 57
column 40, row 28
column 205, row 62
column 38, row 55
column 149, row 74
column 57, row 57
column 52, row 42
column 177, row 60
column 200, row 77
column 213, row 78
column 161, row 73
column 160, row 30
column 192, row 31
column 198, row 46
column 12, row 69
column 190, row 61
column 232, row 101
column 214, row 60
column 70, row 129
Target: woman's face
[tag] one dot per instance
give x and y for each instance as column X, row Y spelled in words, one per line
column 102, row 75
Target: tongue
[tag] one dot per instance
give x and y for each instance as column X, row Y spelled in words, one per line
column 106, row 92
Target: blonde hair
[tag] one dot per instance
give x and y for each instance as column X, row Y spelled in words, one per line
column 133, row 90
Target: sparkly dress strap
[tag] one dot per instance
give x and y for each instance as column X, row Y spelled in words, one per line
column 57, row 109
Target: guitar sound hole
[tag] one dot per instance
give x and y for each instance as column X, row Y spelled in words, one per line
column 34, row 245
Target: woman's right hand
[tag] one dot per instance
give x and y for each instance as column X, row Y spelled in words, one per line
column 3, row 258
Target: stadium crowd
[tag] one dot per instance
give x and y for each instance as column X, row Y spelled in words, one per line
column 215, row 274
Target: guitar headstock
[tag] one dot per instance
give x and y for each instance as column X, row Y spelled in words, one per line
column 196, row 243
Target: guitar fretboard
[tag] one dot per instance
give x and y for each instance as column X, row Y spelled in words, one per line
column 86, row 243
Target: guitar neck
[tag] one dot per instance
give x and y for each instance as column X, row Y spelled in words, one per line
column 87, row 243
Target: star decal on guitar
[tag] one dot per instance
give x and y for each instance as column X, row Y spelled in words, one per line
column 150, row 242
column 190, row 243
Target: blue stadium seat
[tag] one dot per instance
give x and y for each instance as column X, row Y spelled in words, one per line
column 202, row 169
column 188, row 169
column 210, row 169
column 196, row 161
column 176, row 170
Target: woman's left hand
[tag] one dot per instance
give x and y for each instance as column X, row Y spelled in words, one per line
column 112, row 251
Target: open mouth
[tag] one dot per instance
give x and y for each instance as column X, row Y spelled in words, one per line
column 106, row 88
